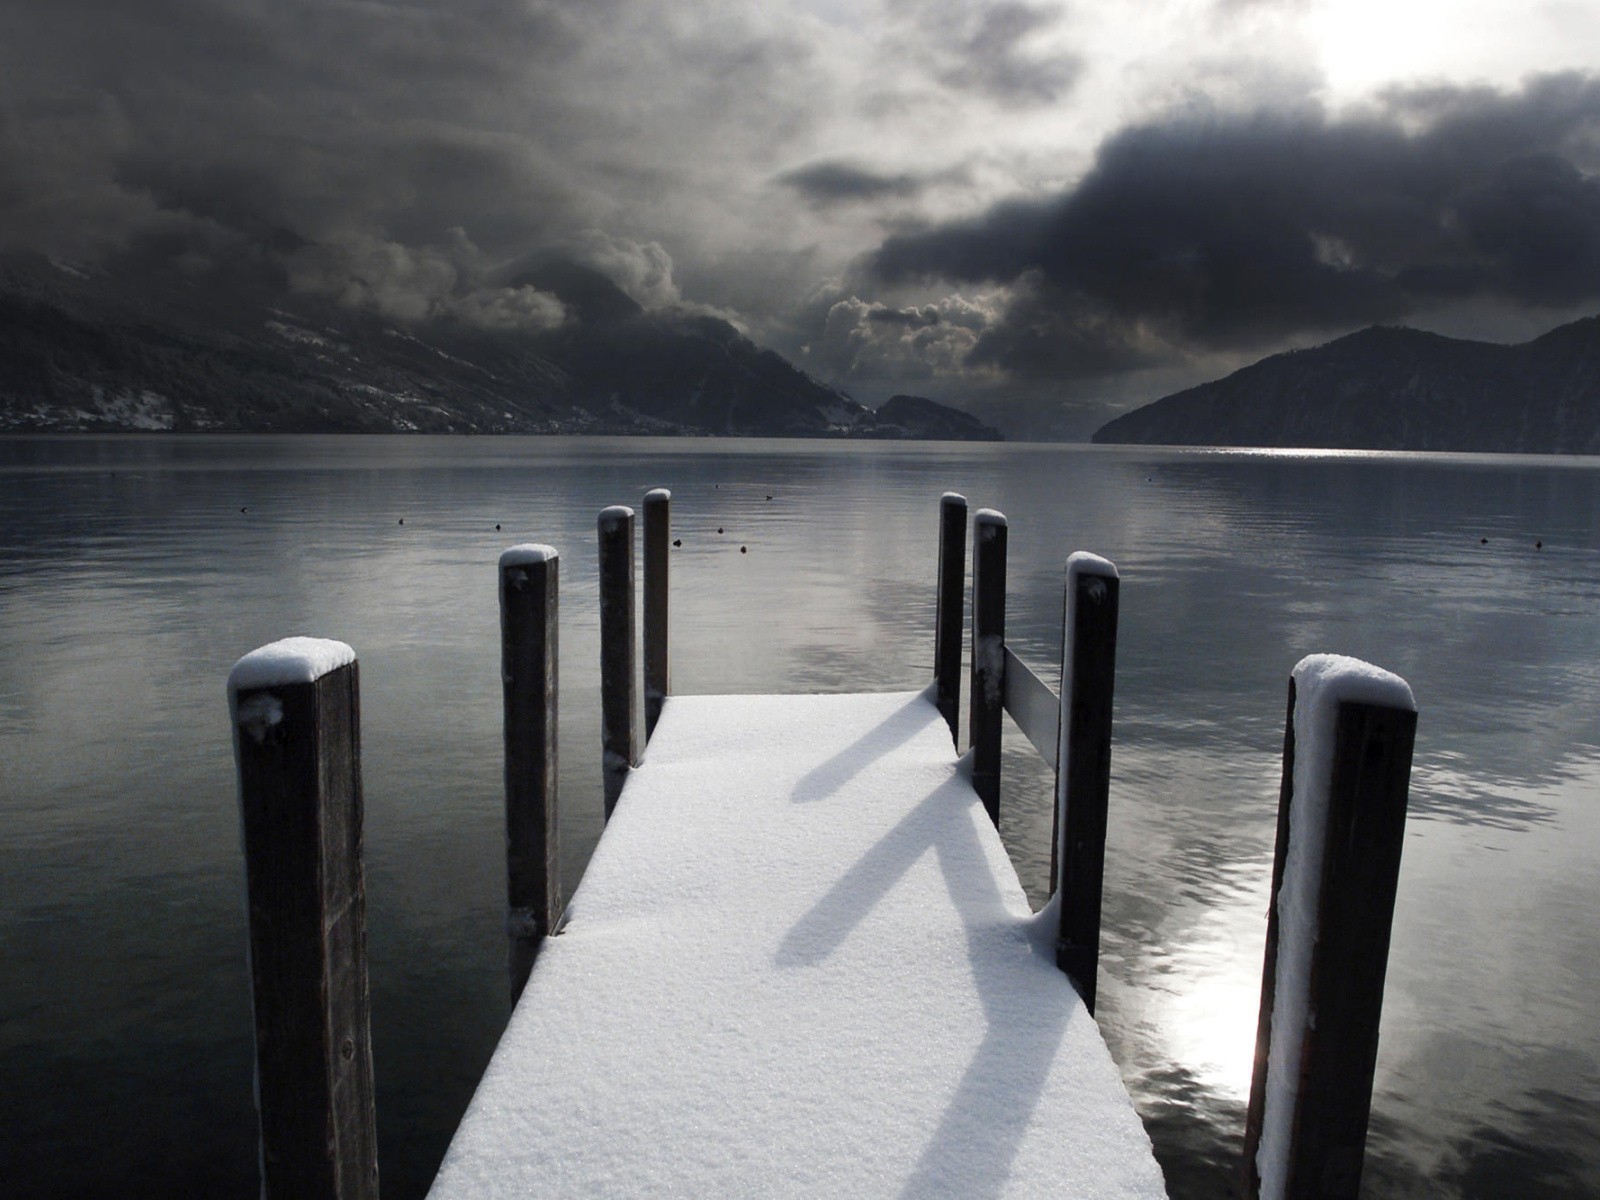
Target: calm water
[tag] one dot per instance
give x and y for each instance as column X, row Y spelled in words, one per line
column 134, row 571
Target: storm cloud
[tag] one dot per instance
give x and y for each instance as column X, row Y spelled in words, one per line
column 995, row 49
column 213, row 131
column 862, row 340
column 1220, row 230
column 521, row 123
column 968, row 195
column 833, row 182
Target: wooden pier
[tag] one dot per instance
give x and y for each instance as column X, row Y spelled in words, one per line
column 799, row 962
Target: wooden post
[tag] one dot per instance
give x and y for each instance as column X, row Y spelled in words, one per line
column 619, row 696
column 529, row 597
column 1083, row 765
column 1341, row 822
column 988, row 654
column 297, row 743
column 948, row 609
column 657, row 675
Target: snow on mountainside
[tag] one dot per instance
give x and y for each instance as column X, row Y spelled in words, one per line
column 83, row 349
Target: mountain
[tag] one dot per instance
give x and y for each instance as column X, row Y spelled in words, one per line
column 106, row 350
column 919, row 417
column 1388, row 388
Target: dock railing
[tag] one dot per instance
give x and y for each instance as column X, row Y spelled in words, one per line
column 1070, row 728
column 296, row 730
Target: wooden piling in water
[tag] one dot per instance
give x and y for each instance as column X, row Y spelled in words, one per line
column 948, row 609
column 988, row 655
column 529, row 661
column 1083, row 765
column 1322, row 980
column 297, row 744
column 657, row 673
column 619, row 695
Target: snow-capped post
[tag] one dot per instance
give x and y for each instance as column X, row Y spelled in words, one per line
column 1341, row 822
column 948, row 609
column 296, row 710
column 1083, row 765
column 657, row 676
column 529, row 592
column 988, row 654
column 619, row 696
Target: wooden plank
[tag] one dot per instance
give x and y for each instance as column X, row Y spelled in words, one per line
column 619, row 693
column 529, row 660
column 948, row 609
column 297, row 746
column 988, row 655
column 657, row 671
column 1034, row 706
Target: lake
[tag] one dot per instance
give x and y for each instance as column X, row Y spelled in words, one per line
column 135, row 570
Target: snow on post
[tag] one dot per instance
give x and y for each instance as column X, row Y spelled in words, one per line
column 1083, row 764
column 1341, row 822
column 619, row 696
column 948, row 609
column 296, row 735
column 657, row 672
column 529, row 643
column 988, row 654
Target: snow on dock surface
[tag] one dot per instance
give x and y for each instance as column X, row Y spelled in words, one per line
column 800, row 964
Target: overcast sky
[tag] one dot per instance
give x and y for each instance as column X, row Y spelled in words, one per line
column 1080, row 203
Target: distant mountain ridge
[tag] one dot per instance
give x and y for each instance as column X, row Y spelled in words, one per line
column 917, row 416
column 87, row 351
column 1388, row 388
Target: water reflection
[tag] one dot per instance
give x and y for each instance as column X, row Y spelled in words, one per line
column 130, row 580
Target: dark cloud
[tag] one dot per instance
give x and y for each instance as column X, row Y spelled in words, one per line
column 1536, row 225
column 855, row 340
column 833, row 182
column 1231, row 230
column 1043, row 333
column 233, row 197
column 521, row 121
column 201, row 134
column 992, row 49
column 405, row 155
column 910, row 318
column 312, row 117
column 996, row 58
column 419, row 284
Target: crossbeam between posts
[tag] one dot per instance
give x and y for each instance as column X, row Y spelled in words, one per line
column 619, row 693
column 987, row 701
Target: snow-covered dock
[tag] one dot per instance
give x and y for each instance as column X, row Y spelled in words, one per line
column 800, row 964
